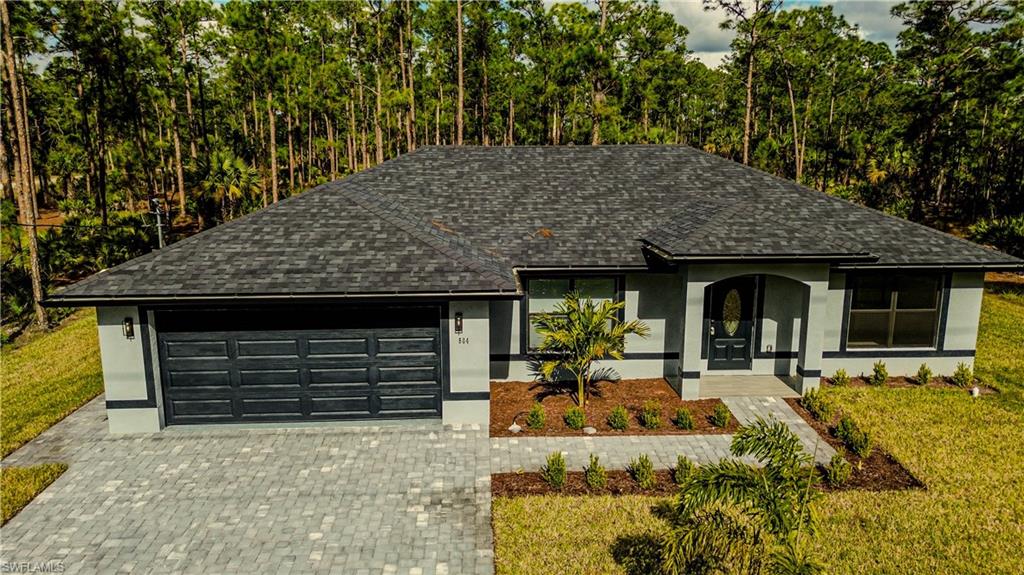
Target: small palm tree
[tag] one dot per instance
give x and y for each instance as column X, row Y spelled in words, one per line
column 736, row 517
column 229, row 179
column 579, row 332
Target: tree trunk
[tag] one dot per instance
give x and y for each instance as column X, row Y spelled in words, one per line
column 272, row 145
column 750, row 98
column 458, row 114
column 412, row 75
column 510, row 138
column 597, row 96
column 188, row 95
column 179, row 170
column 24, row 156
column 351, row 136
column 333, row 154
column 796, row 133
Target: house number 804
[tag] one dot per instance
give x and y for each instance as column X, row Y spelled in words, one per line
column 463, row 340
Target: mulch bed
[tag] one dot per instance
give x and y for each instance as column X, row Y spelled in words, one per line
column 619, row 483
column 878, row 472
column 904, row 381
column 512, row 400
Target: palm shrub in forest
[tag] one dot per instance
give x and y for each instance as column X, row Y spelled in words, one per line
column 579, row 332
column 1005, row 234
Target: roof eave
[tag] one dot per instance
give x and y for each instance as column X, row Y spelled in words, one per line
column 157, row 299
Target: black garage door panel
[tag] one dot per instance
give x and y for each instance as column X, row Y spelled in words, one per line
column 212, row 375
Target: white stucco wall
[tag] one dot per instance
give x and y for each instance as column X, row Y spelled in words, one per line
column 469, row 363
column 124, row 371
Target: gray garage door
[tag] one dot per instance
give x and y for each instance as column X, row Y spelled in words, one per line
column 299, row 364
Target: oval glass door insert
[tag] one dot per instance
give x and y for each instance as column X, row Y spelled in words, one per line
column 731, row 313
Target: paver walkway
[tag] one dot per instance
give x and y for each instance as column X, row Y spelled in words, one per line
column 404, row 499
column 510, row 454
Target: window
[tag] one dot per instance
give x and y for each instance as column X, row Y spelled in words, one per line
column 893, row 311
column 547, row 293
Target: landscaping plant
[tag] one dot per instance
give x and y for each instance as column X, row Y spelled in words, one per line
column 683, row 469
column 963, row 377
column 650, row 415
column 683, row 419
column 642, row 471
column 841, row 379
column 720, row 417
column 735, row 517
column 575, row 418
column 554, row 472
column 878, row 374
column 838, row 470
column 618, row 419
column 858, row 440
column 579, row 332
column 536, row 418
column 924, row 374
column 595, row 474
column 818, row 405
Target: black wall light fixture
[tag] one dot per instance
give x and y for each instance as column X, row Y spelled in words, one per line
column 458, row 322
column 128, row 328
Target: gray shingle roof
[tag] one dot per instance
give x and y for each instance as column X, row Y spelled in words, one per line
column 446, row 219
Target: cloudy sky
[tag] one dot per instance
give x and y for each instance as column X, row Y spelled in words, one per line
column 710, row 43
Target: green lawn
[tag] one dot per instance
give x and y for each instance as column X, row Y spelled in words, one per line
column 46, row 378
column 970, row 453
column 22, row 484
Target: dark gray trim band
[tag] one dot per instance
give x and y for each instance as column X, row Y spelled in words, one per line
column 775, row 355
column 808, row 372
column 130, row 403
column 895, row 353
column 467, row 395
column 147, row 354
column 947, row 285
column 689, row 374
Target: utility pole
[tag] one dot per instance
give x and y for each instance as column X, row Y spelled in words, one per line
column 155, row 203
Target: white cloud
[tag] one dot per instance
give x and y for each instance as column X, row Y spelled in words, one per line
column 710, row 43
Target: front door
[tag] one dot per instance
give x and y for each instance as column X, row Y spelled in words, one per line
column 731, row 323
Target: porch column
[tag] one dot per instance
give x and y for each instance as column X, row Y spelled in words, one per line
column 690, row 362
column 812, row 334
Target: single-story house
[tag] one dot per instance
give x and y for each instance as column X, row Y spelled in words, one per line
column 404, row 290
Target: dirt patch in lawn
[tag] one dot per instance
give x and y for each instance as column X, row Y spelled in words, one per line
column 880, row 471
column 512, row 400
column 619, row 483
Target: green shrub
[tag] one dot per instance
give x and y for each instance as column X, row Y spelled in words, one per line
column 858, row 440
column 963, row 376
column 840, row 378
column 924, row 374
column 684, row 468
column 595, row 474
column 838, row 470
column 554, row 472
column 536, row 418
column 819, row 405
column 650, row 415
column 684, row 419
column 618, row 419
column 575, row 417
column 721, row 416
column 642, row 471
column 1006, row 234
column 878, row 374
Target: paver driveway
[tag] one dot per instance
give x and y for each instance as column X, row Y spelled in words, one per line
column 405, row 499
